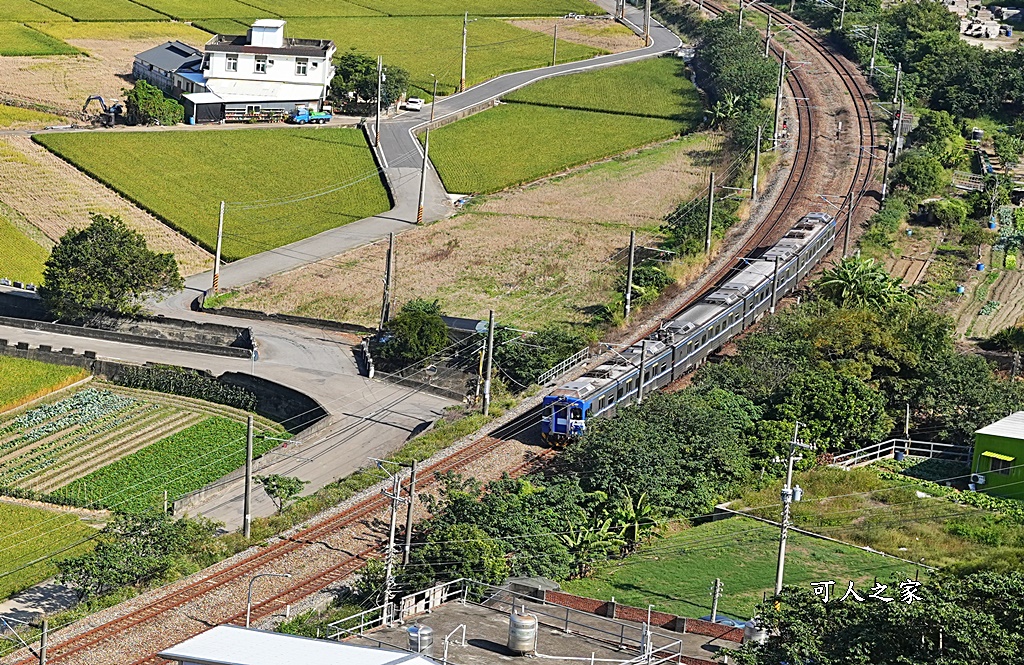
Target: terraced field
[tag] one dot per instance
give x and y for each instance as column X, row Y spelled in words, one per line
column 48, row 447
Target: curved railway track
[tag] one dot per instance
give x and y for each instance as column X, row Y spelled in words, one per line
column 779, row 219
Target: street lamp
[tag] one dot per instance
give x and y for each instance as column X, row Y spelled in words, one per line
column 248, row 602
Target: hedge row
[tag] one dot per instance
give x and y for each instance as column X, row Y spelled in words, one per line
column 187, row 383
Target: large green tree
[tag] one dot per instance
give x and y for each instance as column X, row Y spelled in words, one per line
column 357, row 73
column 105, row 267
column 147, row 105
column 417, row 332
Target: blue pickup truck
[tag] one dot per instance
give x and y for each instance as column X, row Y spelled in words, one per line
column 302, row 115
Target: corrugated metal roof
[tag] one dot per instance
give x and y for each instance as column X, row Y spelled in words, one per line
column 171, row 56
column 1012, row 427
column 233, row 645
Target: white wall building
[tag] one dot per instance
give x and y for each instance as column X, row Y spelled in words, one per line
column 260, row 74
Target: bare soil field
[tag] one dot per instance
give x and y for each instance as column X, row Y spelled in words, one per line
column 1006, row 288
column 591, row 31
column 53, row 196
column 534, row 254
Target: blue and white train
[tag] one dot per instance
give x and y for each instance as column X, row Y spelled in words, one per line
column 683, row 343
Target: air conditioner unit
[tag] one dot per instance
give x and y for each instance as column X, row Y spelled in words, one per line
column 978, row 479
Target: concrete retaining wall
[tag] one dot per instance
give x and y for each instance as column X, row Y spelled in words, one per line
column 257, row 315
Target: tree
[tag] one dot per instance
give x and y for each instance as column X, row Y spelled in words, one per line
column 281, row 489
column 920, row 172
column 357, row 73
column 107, row 267
column 860, row 282
column 417, row 332
column 452, row 551
column 147, row 105
column 948, row 213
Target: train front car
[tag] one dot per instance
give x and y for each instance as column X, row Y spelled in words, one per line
column 564, row 419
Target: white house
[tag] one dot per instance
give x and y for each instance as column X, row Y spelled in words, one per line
column 258, row 75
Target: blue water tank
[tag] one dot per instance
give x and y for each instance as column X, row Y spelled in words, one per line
column 960, row 289
column 981, row 266
column 992, row 226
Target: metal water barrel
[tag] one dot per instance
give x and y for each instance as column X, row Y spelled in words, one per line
column 421, row 639
column 522, row 633
column 753, row 633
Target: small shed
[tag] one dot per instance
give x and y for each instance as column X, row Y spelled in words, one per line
column 998, row 463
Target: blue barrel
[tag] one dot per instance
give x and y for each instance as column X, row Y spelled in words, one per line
column 1009, row 31
column 981, row 266
column 960, row 289
column 910, row 232
column 992, row 226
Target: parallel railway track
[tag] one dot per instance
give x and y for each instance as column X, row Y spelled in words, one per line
column 783, row 213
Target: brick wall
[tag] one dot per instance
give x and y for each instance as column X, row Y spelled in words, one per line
column 591, row 605
column 713, row 630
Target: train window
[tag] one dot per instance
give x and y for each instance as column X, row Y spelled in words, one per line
column 575, row 413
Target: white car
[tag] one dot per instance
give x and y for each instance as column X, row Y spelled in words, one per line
column 413, row 104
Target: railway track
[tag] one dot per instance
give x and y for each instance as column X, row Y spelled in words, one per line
column 776, row 222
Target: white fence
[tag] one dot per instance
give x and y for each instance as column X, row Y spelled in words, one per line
column 561, row 368
column 888, row 449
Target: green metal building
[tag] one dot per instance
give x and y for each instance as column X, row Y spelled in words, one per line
column 998, row 464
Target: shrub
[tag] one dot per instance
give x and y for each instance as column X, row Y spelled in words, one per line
column 187, row 383
column 147, row 105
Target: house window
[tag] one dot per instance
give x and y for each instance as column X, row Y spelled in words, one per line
column 231, row 64
column 252, row 110
column 1001, row 466
column 301, row 64
column 261, row 64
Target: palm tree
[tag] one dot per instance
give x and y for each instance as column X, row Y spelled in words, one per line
column 860, row 282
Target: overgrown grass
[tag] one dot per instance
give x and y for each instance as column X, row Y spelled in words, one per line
column 18, row 39
column 26, row 10
column 102, row 10
column 21, row 258
column 675, row 572
column 23, row 380
column 183, row 176
column 129, row 30
column 30, row 534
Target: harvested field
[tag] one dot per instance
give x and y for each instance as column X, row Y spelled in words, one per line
column 24, row 380
column 19, row 39
column 319, row 179
column 30, row 533
column 598, row 33
column 54, row 196
column 534, row 255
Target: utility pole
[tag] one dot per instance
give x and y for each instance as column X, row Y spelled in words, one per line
column 433, row 99
column 711, row 213
column 408, row 516
column 842, row 15
column 899, row 130
column 778, row 101
column 757, row 164
column 775, row 285
column 899, row 79
column 42, row 642
column 789, row 494
column 906, row 430
column 874, row 49
column 554, row 48
column 389, row 577
column 792, row 6
column 885, row 170
column 768, row 36
column 716, row 592
column 488, row 362
column 1015, row 368
column 423, row 177
column 739, row 21
column 165, row 502
column 465, row 28
column 640, row 377
column 848, row 201
column 389, row 277
column 247, row 502
column 629, row 273
column 647, row 22
column 216, row 256
column 380, row 87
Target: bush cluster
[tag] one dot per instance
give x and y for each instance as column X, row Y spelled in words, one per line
column 187, row 383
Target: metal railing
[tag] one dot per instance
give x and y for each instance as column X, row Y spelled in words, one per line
column 888, row 449
column 561, row 368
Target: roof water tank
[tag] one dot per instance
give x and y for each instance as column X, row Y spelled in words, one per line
column 522, row 633
column 754, row 633
column 421, row 639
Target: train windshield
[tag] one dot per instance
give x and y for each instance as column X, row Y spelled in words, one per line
column 575, row 413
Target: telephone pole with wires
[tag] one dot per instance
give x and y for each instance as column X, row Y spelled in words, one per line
column 423, row 177
column 716, row 593
column 488, row 363
column 647, row 22
column 711, row 213
column 778, row 102
column 789, row 495
column 389, row 279
column 380, row 87
column 216, row 256
column 391, row 555
column 629, row 274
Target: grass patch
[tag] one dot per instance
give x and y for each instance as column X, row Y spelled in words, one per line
column 603, row 113
column 26, row 10
column 13, row 116
column 18, row 39
column 187, row 9
column 182, row 177
column 651, row 88
column 675, row 572
column 20, row 257
column 519, row 143
column 481, row 7
column 432, row 45
column 127, row 31
column 24, row 380
column 102, row 10
column 179, row 464
column 31, row 533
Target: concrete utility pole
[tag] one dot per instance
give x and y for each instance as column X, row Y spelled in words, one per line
column 716, row 593
column 554, row 48
column 647, row 23
column 848, row 202
column 906, row 430
column 42, row 642
column 757, row 163
column 389, row 278
column 778, row 102
column 629, row 273
column 874, row 49
column 423, row 178
column 389, row 565
column 842, row 15
column 768, row 36
column 792, row 6
column 789, row 494
column 407, row 552
column 488, row 362
column 899, row 79
column 380, row 87
column 247, row 502
column 775, row 285
column 885, row 170
column 711, row 213
column 739, row 21
column 433, row 99
column 899, row 129
column 465, row 29
column 216, row 256
column 640, row 377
